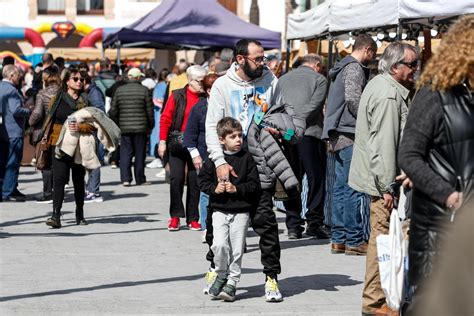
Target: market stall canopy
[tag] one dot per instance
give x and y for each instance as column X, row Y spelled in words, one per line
column 196, row 24
column 340, row 16
column 73, row 54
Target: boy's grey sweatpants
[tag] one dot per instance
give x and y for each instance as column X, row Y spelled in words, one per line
column 230, row 231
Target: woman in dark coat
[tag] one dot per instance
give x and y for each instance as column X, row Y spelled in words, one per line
column 71, row 99
column 437, row 150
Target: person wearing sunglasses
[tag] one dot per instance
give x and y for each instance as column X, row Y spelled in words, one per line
column 381, row 117
column 68, row 100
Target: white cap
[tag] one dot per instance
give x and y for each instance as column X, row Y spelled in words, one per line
column 135, row 72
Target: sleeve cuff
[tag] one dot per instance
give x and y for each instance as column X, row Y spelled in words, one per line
column 194, row 152
column 220, row 162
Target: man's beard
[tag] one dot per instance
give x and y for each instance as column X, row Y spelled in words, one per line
column 252, row 74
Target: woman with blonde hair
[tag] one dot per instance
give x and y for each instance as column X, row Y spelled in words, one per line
column 51, row 86
column 437, row 148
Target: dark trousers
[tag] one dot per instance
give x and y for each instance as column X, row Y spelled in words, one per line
column 133, row 145
column 61, row 169
column 12, row 167
column 264, row 223
column 47, row 176
column 178, row 163
column 311, row 154
column 3, row 163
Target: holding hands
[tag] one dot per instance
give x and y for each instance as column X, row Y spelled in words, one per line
column 224, row 185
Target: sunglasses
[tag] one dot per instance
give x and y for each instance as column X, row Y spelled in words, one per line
column 76, row 79
column 411, row 65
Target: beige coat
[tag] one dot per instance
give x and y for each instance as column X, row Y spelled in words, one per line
column 83, row 147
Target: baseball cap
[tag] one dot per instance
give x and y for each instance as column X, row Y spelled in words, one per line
column 135, row 72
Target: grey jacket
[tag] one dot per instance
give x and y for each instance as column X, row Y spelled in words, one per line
column 348, row 79
column 266, row 150
column 306, row 90
column 38, row 115
column 14, row 114
column 382, row 115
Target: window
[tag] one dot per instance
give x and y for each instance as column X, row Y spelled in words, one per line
column 92, row 7
column 51, row 6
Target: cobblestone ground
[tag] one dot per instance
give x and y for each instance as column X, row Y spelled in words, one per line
column 126, row 262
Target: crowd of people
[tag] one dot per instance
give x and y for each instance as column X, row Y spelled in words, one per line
column 239, row 136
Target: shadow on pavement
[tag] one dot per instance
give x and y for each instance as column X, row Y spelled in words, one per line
column 112, row 286
column 109, row 196
column 58, row 232
column 119, row 219
column 300, row 284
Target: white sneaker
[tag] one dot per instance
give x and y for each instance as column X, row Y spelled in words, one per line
column 161, row 174
column 92, row 197
column 155, row 164
column 203, row 237
column 210, row 277
column 272, row 293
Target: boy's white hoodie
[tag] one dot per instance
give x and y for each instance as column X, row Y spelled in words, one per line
column 234, row 97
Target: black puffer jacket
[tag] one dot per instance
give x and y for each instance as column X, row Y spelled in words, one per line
column 132, row 109
column 437, row 153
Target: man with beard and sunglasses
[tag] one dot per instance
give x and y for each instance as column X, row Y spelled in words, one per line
column 247, row 88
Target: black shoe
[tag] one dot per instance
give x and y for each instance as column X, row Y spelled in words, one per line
column 18, row 194
column 320, row 232
column 14, row 199
column 55, row 220
column 80, row 216
column 44, row 200
column 294, row 234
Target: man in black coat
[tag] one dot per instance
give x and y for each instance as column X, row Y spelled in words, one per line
column 132, row 111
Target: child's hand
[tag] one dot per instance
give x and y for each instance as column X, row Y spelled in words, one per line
column 229, row 187
column 220, row 188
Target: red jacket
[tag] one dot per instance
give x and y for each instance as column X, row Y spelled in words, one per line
column 166, row 119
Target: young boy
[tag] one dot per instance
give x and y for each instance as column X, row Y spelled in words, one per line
column 231, row 200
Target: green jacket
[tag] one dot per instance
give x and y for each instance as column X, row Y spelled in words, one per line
column 381, row 117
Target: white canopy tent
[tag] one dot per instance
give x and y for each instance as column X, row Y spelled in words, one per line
column 341, row 16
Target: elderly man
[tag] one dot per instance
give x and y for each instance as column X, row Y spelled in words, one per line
column 381, row 117
column 11, row 134
column 132, row 111
column 305, row 88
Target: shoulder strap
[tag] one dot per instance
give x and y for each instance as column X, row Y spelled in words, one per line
column 50, row 115
column 179, row 108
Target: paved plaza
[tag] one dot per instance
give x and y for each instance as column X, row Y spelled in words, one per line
column 126, row 262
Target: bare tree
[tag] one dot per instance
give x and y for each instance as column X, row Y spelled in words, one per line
column 254, row 15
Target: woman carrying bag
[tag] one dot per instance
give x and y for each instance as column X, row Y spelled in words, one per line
column 52, row 85
column 68, row 100
column 172, row 126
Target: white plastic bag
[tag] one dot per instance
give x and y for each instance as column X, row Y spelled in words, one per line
column 391, row 251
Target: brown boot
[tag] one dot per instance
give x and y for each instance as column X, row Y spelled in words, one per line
column 338, row 248
column 360, row 250
column 385, row 311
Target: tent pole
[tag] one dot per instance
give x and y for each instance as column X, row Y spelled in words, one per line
column 288, row 52
column 330, row 57
column 117, row 43
column 399, row 30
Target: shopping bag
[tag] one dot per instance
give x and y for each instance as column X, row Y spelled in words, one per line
column 391, row 252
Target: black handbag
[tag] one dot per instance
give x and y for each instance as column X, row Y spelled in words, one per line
column 174, row 142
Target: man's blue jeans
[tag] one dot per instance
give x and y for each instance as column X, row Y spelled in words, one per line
column 12, row 167
column 347, row 204
column 203, row 203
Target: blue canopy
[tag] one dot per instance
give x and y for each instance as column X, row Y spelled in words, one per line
column 197, row 24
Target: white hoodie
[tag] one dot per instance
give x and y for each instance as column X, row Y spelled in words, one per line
column 234, row 97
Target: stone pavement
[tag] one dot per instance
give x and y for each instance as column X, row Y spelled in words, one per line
column 126, row 262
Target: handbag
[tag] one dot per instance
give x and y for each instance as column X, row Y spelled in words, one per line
column 175, row 138
column 43, row 154
column 43, row 149
column 175, row 141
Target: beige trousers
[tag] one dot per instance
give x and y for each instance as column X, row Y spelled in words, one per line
column 373, row 296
